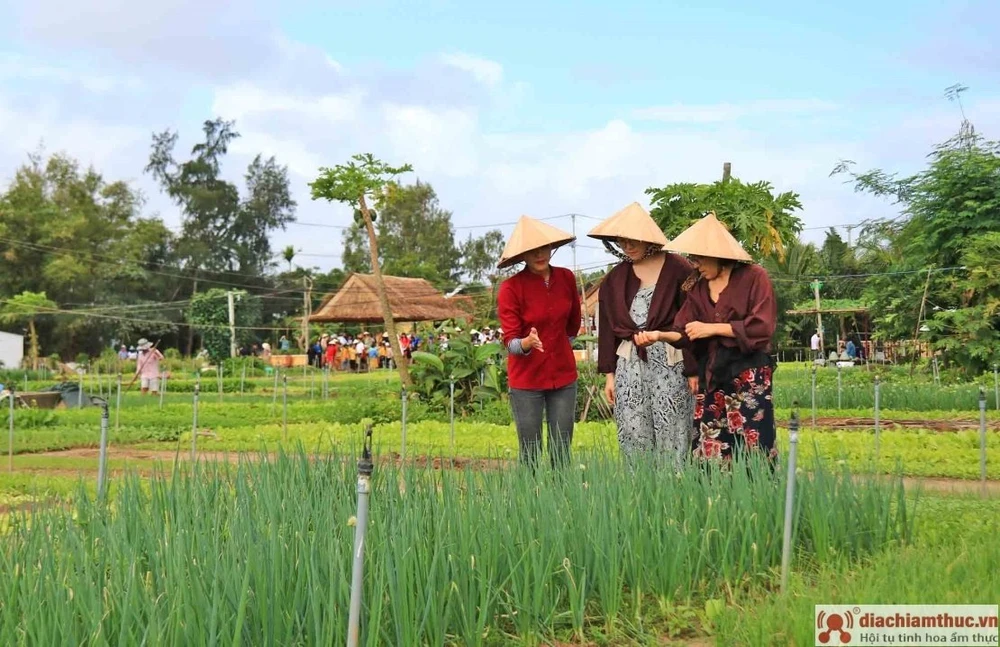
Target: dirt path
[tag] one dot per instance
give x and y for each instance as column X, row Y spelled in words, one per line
column 827, row 423
column 931, row 484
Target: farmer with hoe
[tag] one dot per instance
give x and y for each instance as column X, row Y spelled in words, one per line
column 147, row 367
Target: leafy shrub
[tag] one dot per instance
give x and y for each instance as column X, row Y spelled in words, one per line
column 477, row 371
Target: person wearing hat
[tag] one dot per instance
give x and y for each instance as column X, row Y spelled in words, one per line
column 147, row 367
column 539, row 310
column 728, row 322
column 647, row 383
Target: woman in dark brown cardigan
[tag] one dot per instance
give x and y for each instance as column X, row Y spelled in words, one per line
column 727, row 322
column 645, row 378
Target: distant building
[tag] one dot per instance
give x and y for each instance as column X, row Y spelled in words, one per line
column 11, row 350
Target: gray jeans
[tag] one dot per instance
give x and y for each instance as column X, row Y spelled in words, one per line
column 559, row 407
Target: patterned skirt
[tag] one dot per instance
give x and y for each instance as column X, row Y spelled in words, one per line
column 737, row 419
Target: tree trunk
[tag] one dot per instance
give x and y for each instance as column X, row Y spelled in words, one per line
column 33, row 334
column 390, row 325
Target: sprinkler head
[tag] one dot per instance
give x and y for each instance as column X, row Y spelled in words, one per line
column 365, row 466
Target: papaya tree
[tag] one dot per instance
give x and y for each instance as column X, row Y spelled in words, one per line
column 763, row 222
column 361, row 179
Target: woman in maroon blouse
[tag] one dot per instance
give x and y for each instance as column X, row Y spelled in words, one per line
column 728, row 321
column 539, row 310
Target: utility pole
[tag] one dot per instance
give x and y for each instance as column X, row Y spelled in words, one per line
column 306, row 311
column 816, row 285
column 232, row 324
column 583, row 287
column 920, row 319
column 727, row 171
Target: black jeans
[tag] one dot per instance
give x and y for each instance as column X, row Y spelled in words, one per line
column 559, row 407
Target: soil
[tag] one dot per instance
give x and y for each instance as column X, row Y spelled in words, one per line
column 869, row 423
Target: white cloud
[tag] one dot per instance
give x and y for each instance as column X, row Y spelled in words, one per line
column 20, row 68
column 722, row 112
column 438, row 142
column 487, row 72
column 241, row 100
column 105, row 146
column 310, row 111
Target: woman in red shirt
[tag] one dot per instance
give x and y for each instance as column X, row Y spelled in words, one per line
column 539, row 309
column 331, row 354
column 727, row 322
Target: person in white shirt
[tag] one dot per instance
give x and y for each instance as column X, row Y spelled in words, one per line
column 814, row 344
column 362, row 351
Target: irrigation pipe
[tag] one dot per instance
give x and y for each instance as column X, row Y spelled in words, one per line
column 365, row 468
column 786, row 546
column 102, row 457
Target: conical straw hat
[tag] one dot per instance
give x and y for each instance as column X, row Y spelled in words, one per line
column 531, row 234
column 709, row 237
column 632, row 222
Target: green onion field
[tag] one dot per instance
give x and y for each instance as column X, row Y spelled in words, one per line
column 251, row 542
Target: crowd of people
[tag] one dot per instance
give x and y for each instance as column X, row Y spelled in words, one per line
column 346, row 352
column 684, row 340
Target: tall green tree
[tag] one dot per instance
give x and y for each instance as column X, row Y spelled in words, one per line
column 83, row 241
column 27, row 307
column 763, row 222
column 355, row 183
column 223, row 231
column 416, row 236
column 479, row 264
column 480, row 255
column 949, row 213
column 209, row 313
column 288, row 253
column 790, row 276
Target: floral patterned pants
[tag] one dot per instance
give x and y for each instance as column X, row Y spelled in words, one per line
column 738, row 419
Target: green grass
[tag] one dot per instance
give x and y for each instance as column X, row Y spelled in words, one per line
column 951, row 561
column 259, row 553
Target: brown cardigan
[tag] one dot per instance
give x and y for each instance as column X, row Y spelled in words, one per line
column 748, row 304
column 615, row 324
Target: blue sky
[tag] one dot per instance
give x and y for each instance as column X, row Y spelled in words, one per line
column 540, row 108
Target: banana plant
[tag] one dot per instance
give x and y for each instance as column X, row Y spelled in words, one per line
column 478, row 372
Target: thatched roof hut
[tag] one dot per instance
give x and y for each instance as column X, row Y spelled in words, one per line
column 590, row 298
column 410, row 300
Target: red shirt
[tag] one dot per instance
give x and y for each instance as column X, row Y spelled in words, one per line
column 525, row 302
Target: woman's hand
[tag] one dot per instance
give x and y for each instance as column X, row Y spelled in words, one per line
column 698, row 330
column 532, row 342
column 647, row 338
column 693, row 384
column 609, row 388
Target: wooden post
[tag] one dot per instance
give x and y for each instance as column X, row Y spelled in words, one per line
column 306, row 312
column 920, row 319
column 727, row 171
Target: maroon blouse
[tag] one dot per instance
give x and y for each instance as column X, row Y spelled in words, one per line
column 615, row 298
column 747, row 304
